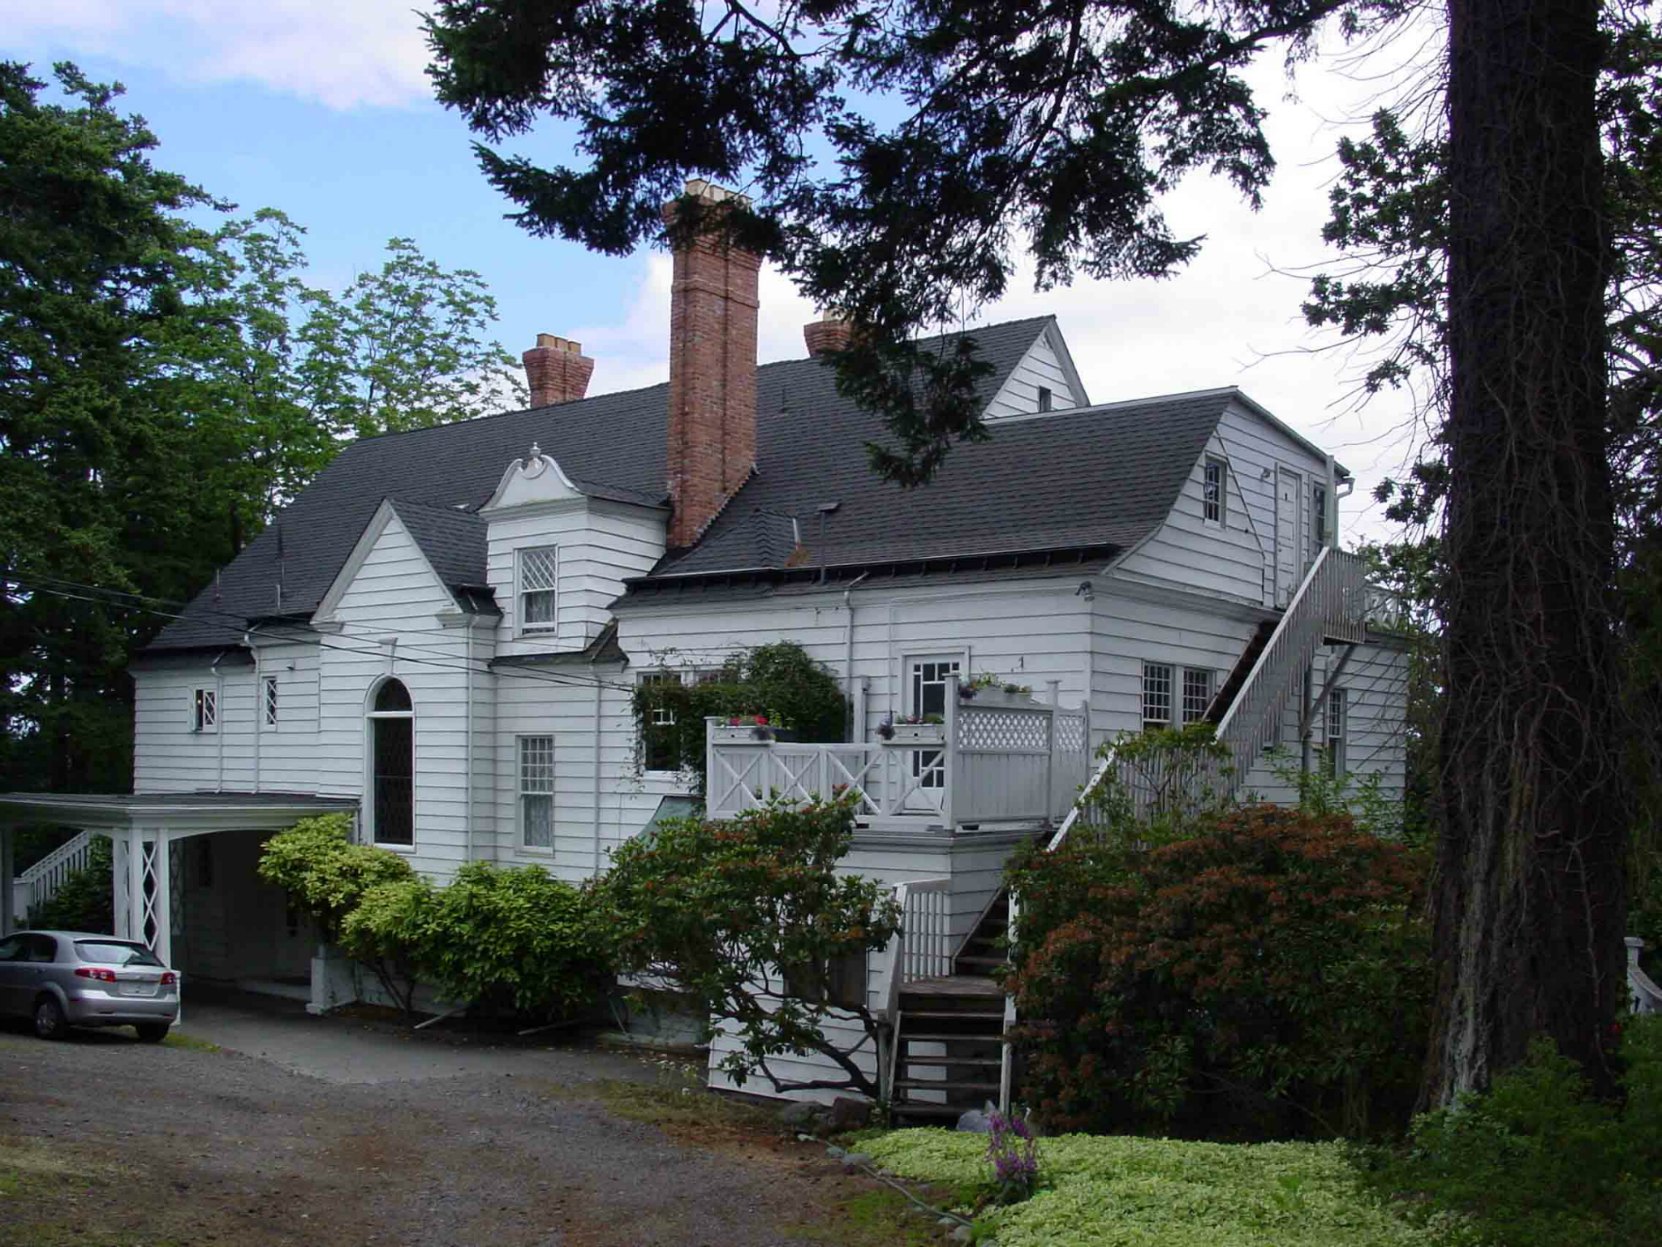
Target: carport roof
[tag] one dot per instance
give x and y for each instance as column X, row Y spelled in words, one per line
column 171, row 811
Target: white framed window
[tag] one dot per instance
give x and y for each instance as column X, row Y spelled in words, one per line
column 1047, row 400
column 1214, row 492
column 1197, row 693
column 1333, row 758
column 539, row 577
column 536, row 792
column 929, row 682
column 1157, row 690
column 268, row 700
column 659, row 747
column 1318, row 515
column 391, row 728
column 204, row 710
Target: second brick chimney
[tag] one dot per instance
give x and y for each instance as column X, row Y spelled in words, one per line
column 827, row 334
column 712, row 371
column 557, row 370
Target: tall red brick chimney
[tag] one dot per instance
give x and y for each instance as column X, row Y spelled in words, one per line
column 557, row 370
column 712, row 371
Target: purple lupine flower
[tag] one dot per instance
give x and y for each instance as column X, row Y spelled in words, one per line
column 1014, row 1154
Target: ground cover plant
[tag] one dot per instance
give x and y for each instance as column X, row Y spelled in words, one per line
column 1127, row 1192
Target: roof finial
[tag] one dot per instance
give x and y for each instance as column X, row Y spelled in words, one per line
column 536, row 453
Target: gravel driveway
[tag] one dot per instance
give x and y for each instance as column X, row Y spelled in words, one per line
column 330, row 1131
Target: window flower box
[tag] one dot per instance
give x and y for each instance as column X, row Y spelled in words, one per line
column 749, row 731
column 916, row 734
column 997, row 695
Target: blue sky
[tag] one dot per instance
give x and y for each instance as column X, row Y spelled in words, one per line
column 321, row 108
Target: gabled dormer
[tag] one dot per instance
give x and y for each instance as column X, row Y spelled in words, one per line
column 557, row 555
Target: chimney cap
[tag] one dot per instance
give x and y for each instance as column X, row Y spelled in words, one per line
column 555, row 342
column 709, row 192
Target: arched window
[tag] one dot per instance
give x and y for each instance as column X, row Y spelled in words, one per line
column 392, row 765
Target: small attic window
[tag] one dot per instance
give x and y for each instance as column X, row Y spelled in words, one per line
column 1214, row 491
column 538, row 589
column 1046, row 399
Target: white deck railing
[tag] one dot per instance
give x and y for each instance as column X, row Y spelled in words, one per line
column 1005, row 763
column 40, row 883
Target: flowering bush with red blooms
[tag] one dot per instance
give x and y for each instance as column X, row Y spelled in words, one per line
column 1266, row 979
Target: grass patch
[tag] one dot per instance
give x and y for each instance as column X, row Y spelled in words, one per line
column 189, row 1043
column 879, row 1218
column 673, row 1103
column 41, row 1181
column 1128, row 1192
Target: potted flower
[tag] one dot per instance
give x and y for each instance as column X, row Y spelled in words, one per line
column 749, row 729
column 913, row 729
column 987, row 689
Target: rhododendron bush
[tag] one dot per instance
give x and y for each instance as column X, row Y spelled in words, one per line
column 1267, row 978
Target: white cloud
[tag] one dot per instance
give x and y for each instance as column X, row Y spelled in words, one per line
column 340, row 53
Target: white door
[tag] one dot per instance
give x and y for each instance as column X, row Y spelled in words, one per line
column 1289, row 533
column 928, row 683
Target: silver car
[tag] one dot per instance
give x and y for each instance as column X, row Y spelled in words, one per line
column 61, row 979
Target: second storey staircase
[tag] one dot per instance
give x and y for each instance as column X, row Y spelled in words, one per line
column 950, row 1017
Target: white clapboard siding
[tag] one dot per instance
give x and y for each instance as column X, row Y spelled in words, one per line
column 600, row 545
column 1043, row 365
column 1224, row 558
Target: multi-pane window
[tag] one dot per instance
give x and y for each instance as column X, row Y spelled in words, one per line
column 930, row 685
column 659, row 751
column 1214, row 491
column 1197, row 693
column 1318, row 515
column 536, row 791
column 204, row 710
column 1334, row 755
column 1157, row 682
column 538, row 581
column 269, row 698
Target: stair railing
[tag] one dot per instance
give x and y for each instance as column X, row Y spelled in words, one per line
column 1331, row 603
column 40, row 883
column 922, row 948
column 1643, row 994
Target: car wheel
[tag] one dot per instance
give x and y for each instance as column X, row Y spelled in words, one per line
column 151, row 1032
column 50, row 1022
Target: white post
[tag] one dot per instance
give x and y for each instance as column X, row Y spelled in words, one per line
column 163, row 884
column 135, row 884
column 949, row 752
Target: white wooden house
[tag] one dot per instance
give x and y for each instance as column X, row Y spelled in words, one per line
column 444, row 631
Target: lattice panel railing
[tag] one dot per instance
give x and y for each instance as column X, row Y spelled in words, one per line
column 1003, row 730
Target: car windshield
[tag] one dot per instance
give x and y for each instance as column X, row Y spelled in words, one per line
column 110, row 953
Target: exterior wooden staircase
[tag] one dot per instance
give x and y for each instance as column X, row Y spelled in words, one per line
column 948, row 1041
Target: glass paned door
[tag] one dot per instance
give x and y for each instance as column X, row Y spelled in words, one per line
column 928, row 684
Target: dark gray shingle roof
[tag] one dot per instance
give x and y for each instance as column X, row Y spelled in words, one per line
column 1102, row 477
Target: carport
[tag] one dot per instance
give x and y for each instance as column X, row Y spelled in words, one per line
column 143, row 830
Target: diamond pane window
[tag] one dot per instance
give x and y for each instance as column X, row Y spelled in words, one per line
column 536, row 791
column 204, row 710
column 1157, row 682
column 538, row 582
column 1197, row 693
column 270, row 699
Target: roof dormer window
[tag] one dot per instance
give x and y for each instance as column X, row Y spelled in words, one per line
column 539, row 573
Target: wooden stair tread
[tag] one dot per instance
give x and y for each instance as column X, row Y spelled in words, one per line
column 925, row 1084
column 959, row 1037
column 952, row 985
column 951, row 1015
column 933, row 1062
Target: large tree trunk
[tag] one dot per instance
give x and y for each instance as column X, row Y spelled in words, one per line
column 1530, row 895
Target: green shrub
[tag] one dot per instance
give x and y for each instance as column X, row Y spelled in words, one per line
column 324, row 872
column 515, row 939
column 779, row 681
column 1536, row 1162
column 84, row 901
column 1126, row 1192
column 714, row 909
column 1267, row 979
